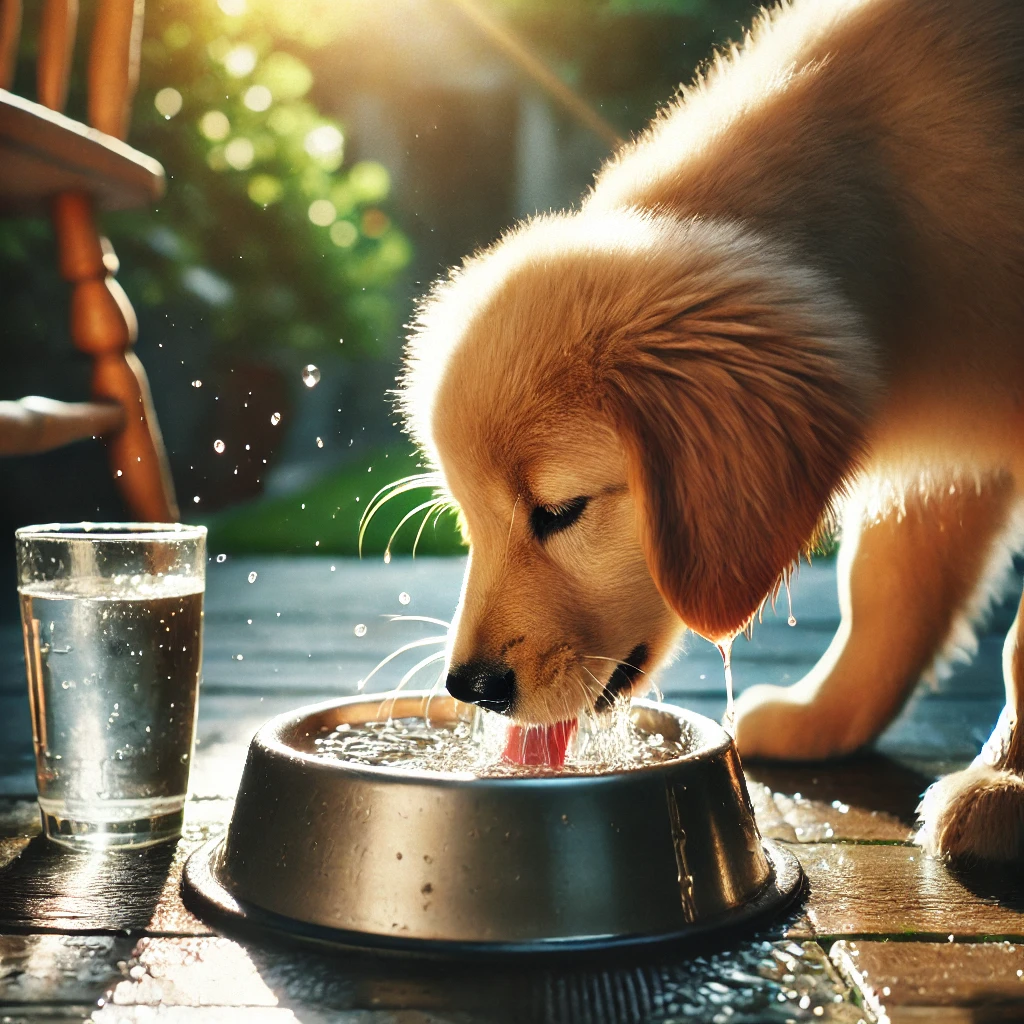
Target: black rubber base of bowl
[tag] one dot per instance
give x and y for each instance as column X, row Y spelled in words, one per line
column 207, row 896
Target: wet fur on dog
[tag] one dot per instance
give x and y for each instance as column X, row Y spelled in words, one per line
column 798, row 298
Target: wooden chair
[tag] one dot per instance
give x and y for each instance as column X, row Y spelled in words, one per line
column 52, row 164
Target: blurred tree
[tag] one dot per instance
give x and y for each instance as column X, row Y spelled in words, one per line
column 266, row 233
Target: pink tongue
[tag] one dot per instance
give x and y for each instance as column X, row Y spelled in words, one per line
column 539, row 744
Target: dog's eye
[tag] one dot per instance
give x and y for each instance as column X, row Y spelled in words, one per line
column 549, row 519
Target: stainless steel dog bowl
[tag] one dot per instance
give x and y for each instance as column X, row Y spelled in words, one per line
column 432, row 861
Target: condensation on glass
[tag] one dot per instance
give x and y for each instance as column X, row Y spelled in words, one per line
column 112, row 615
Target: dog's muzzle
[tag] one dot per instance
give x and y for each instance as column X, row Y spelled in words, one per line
column 490, row 684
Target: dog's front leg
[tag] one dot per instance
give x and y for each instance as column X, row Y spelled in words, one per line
column 904, row 580
column 978, row 814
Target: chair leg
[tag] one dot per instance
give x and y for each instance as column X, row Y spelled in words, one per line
column 103, row 325
column 138, row 458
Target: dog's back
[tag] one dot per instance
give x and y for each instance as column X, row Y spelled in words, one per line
column 882, row 138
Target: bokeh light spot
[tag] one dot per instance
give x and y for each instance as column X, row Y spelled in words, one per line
column 232, row 8
column 322, row 212
column 285, row 76
column 375, row 223
column 215, row 125
column 167, row 102
column 258, row 98
column 240, row 153
column 240, row 60
column 344, row 233
column 177, row 35
column 264, row 189
column 325, row 144
column 370, row 181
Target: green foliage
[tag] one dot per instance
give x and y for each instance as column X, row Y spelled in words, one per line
column 329, row 511
column 265, row 232
column 263, row 221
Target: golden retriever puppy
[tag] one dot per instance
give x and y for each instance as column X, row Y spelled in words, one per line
column 798, row 296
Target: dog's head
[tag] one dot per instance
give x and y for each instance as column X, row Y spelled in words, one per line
column 642, row 421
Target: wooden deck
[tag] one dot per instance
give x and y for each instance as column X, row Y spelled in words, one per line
column 883, row 932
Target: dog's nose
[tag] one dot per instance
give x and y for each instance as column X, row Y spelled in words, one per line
column 491, row 684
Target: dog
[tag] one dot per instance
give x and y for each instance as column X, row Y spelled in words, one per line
column 796, row 301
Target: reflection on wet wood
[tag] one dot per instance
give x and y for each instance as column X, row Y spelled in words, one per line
column 47, row 887
column 764, row 981
column 59, row 968
column 940, row 982
column 883, row 890
column 869, row 798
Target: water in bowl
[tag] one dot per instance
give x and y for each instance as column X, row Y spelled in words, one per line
column 611, row 742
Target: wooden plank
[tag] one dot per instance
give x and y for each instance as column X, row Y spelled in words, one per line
column 883, row 890
column 941, row 982
column 866, row 798
column 758, row 980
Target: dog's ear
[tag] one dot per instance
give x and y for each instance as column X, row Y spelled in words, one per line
column 741, row 417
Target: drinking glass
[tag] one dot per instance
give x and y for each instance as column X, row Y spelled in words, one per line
column 112, row 615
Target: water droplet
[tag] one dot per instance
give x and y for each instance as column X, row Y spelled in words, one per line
column 404, row 598
column 196, row 499
column 197, row 383
column 275, row 418
column 252, row 577
column 789, row 600
column 360, row 630
column 310, row 375
column 387, row 557
column 218, row 447
column 319, row 442
column 222, row 558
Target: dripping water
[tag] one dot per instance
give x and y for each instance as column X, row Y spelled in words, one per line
column 729, row 720
column 789, row 601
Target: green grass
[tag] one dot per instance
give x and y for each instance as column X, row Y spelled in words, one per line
column 328, row 511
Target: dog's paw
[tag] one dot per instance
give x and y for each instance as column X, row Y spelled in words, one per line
column 974, row 815
column 780, row 722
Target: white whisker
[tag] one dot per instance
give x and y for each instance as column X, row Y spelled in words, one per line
column 394, row 693
column 418, row 618
column 392, row 490
column 424, row 642
column 428, row 505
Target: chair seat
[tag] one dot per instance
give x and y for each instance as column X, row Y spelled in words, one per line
column 37, row 424
column 43, row 153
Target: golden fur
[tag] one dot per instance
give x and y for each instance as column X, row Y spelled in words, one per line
column 800, row 293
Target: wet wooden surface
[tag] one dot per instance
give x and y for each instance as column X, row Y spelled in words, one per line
column 107, row 937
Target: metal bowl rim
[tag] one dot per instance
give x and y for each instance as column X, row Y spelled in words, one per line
column 202, row 880
column 269, row 738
